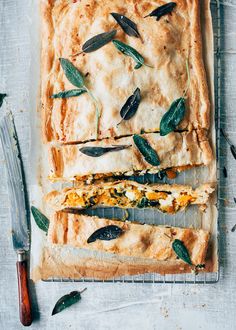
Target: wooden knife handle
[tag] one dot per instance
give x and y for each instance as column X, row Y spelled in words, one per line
column 23, row 291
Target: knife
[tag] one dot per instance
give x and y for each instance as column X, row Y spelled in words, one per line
column 20, row 229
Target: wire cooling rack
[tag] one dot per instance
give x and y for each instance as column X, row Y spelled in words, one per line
column 178, row 219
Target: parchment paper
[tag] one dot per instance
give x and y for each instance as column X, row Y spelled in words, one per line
column 65, row 262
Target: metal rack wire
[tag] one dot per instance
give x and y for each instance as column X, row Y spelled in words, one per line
column 201, row 278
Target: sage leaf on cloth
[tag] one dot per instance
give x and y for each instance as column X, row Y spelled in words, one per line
column 105, row 234
column 146, row 150
column 66, row 301
column 2, row 97
column 181, row 251
column 172, row 117
column 162, row 10
column 232, row 147
column 40, row 219
column 128, row 26
column 130, row 51
column 70, row 93
column 99, row 151
column 130, row 107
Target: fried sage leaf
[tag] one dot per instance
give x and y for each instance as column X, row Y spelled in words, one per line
column 162, row 10
column 40, row 219
column 172, row 117
column 70, row 93
column 181, row 251
column 131, row 105
column 2, row 97
column 146, row 150
column 66, row 301
column 130, row 51
column 128, row 26
column 105, row 234
column 99, row 151
column 72, row 73
column 98, row 41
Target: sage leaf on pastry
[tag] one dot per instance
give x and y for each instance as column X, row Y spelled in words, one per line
column 66, row 301
column 2, row 97
column 162, row 10
column 97, row 42
column 128, row 26
column 173, row 116
column 76, row 78
column 70, row 93
column 105, row 233
column 146, row 150
column 130, row 107
column 130, row 51
column 181, row 251
column 99, row 151
column 40, row 219
column 72, row 73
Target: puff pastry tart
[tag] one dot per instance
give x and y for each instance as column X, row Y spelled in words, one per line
column 126, row 238
column 181, row 150
column 166, row 45
column 130, row 194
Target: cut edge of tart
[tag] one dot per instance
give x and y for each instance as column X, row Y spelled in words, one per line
column 130, row 194
column 176, row 150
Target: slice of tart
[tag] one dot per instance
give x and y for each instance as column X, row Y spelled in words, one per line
column 110, row 157
column 171, row 48
column 127, row 238
column 130, row 194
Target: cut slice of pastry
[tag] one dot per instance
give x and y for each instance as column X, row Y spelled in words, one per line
column 178, row 150
column 166, row 45
column 130, row 194
column 126, row 238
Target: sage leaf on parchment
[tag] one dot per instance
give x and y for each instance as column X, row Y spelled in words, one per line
column 40, row 219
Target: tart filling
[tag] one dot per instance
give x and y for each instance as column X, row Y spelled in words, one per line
column 130, row 194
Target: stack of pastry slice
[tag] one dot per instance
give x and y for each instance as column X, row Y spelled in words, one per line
column 124, row 92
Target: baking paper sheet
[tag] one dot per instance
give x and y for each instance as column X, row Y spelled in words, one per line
column 64, row 262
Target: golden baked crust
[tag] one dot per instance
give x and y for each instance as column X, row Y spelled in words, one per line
column 137, row 240
column 168, row 43
column 174, row 150
column 130, row 194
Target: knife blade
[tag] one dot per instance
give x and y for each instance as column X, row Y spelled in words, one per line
column 20, row 228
